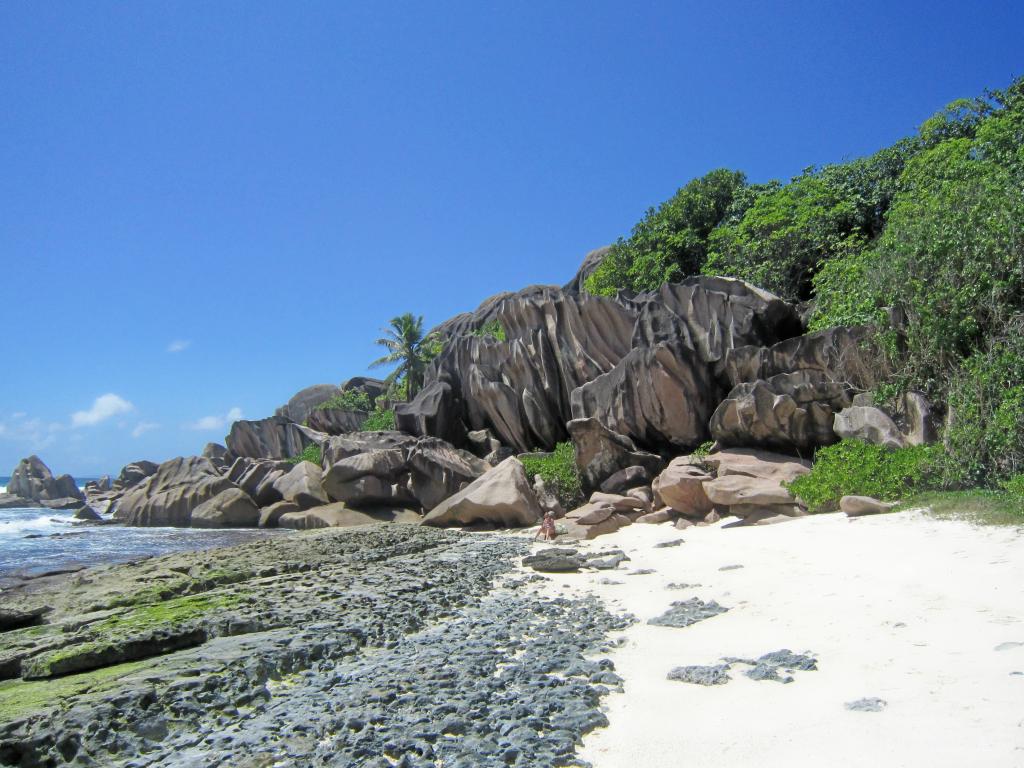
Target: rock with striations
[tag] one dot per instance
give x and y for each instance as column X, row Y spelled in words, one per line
column 272, row 438
column 134, row 473
column 736, row 490
column 336, row 421
column 600, row 453
column 868, row 424
column 438, row 470
column 32, row 479
column 836, row 353
column 920, row 420
column 341, row 447
column 218, row 454
column 790, row 411
column 434, row 412
column 257, row 477
column 231, row 508
column 751, row 462
column 502, row 496
column 681, row 487
column 659, row 396
column 302, row 403
column 624, row 479
column 169, row 496
column 303, row 485
column 590, row 263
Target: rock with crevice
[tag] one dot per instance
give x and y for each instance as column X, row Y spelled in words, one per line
column 600, row 453
column 501, row 496
column 869, row 425
column 231, row 508
column 169, row 496
column 303, row 485
column 276, row 437
column 32, row 479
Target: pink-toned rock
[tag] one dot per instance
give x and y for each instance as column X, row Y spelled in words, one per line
column 751, row 462
column 619, row 502
column 590, row 514
column 681, row 486
column 574, row 530
column 743, row 489
column 856, row 506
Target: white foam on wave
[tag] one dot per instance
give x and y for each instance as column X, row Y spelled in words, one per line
column 22, row 526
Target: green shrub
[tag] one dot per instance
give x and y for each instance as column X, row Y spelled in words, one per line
column 558, row 471
column 670, row 242
column 854, row 468
column 311, row 453
column 492, row 329
column 347, row 400
column 703, row 449
column 985, row 437
column 379, row 421
column 1015, row 487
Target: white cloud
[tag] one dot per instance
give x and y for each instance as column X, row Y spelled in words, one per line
column 179, row 345
column 103, row 408
column 31, row 433
column 143, row 427
column 208, row 423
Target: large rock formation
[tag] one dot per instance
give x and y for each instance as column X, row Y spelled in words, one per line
column 646, row 365
column 231, row 508
column 302, row 403
column 502, row 496
column 336, row 421
column 600, row 453
column 33, row 480
column 272, row 438
column 170, row 495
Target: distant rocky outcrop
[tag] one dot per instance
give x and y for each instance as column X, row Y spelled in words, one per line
column 33, row 480
column 273, row 438
column 302, row 403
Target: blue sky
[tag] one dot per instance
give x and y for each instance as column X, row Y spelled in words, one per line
column 206, row 207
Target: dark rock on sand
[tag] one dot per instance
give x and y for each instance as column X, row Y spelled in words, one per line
column 687, row 612
column 713, row 675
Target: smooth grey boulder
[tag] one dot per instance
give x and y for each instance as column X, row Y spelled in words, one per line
column 790, row 411
column 270, row 515
column 231, row 508
column 32, row 479
column 600, row 453
column 856, row 506
column 869, row 425
column 303, row 485
column 272, row 438
column 169, row 496
column 134, row 473
column 301, row 404
column 661, row 397
column 336, row 421
column 502, row 496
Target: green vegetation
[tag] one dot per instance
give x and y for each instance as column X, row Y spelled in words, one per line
column 379, row 421
column 703, row 449
column 311, row 453
column 19, row 698
column 923, row 241
column 980, row 506
column 347, row 400
column 408, row 351
column 853, row 468
column 558, row 471
column 492, row 329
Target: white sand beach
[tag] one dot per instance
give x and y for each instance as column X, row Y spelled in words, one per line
column 927, row 615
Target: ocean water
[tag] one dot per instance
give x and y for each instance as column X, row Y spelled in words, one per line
column 37, row 541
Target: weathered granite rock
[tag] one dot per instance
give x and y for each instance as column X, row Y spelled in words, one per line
column 438, row 470
column 272, row 438
column 619, row 502
column 381, row 462
column 590, row 263
column 269, row 516
column 624, row 479
column 302, row 403
column 661, row 397
column 751, row 462
column 856, row 506
column 600, row 453
column 658, row 516
column 32, row 479
column 481, row 442
column 231, row 508
column 257, row 478
column 592, row 520
column 134, row 473
column 681, row 487
column 302, row 485
column 170, row 495
column 86, row 513
column 67, row 502
column 13, row 501
column 336, row 421
column 101, row 484
column 502, row 496
column 868, row 424
column 739, row 490
column 590, row 514
column 920, row 420
column 345, row 446
column 434, row 412
column 555, row 560
column 371, row 387
column 216, row 452
column 836, row 353
column 790, row 411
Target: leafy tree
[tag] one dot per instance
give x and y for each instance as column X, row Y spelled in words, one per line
column 408, row 350
column 670, row 242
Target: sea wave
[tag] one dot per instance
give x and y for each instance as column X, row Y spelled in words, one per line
column 23, row 525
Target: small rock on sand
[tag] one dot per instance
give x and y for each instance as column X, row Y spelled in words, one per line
column 713, row 675
column 870, row 704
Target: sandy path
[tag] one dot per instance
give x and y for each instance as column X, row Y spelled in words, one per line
column 900, row 607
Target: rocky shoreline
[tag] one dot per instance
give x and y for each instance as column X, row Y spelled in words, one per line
column 370, row 646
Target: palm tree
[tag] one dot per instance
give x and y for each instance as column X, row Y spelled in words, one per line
column 405, row 345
